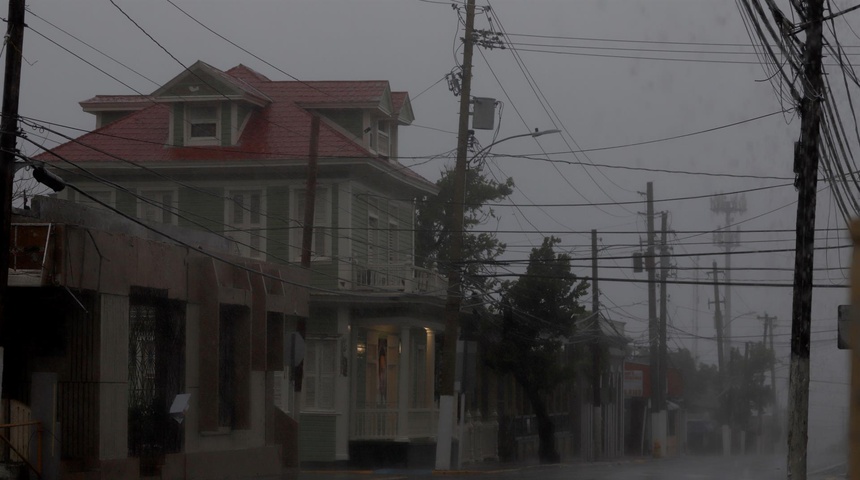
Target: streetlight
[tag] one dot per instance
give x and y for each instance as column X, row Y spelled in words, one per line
column 535, row 134
column 454, row 298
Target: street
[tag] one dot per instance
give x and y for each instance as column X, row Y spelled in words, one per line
column 688, row 467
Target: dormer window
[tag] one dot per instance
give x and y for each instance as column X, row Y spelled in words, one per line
column 203, row 126
column 384, row 138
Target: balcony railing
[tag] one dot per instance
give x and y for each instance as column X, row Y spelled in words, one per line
column 402, row 277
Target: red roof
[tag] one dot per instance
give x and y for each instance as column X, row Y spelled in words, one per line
column 281, row 130
column 397, row 99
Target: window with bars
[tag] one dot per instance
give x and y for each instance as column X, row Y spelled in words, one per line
column 320, row 368
column 246, row 221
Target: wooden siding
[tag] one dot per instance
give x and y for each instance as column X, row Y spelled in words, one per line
column 349, row 120
column 359, row 226
column 278, row 223
column 206, row 209
column 317, row 438
column 126, row 202
column 322, row 322
column 199, row 84
column 226, row 124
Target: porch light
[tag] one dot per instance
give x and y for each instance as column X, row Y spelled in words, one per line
column 359, row 348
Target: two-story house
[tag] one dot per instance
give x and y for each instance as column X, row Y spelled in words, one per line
column 227, row 152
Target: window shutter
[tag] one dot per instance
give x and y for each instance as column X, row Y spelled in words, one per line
column 326, row 377
column 310, row 374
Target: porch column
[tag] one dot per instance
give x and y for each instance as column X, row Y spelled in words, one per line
column 342, row 386
column 403, row 386
column 430, row 369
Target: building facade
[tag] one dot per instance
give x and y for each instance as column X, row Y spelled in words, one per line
column 226, row 152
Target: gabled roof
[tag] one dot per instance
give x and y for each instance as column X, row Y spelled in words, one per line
column 205, row 82
column 402, row 107
column 278, row 130
column 101, row 103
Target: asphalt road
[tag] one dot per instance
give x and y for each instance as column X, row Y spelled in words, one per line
column 764, row 467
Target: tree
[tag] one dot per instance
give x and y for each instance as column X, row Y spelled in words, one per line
column 745, row 390
column 433, row 229
column 538, row 314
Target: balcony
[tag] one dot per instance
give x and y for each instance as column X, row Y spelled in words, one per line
column 397, row 277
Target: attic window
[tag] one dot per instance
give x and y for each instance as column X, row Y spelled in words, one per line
column 202, row 123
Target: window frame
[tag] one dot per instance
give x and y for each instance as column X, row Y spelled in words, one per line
column 243, row 232
column 174, row 204
column 313, row 374
column 85, row 201
column 190, row 123
column 323, row 215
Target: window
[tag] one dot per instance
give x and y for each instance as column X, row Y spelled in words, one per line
column 322, row 236
column 319, row 373
column 245, row 223
column 384, row 140
column 157, row 206
column 102, row 199
column 202, row 126
column 373, row 235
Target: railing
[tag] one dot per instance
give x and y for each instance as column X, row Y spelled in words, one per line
column 479, row 438
column 403, row 277
column 374, row 423
column 383, row 423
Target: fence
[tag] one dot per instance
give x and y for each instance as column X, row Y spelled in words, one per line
column 479, row 438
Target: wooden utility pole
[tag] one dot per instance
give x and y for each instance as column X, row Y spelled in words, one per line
column 658, row 426
column 597, row 422
column 307, row 244
column 664, row 274
column 769, row 324
column 8, row 142
column 806, row 158
column 854, row 399
column 455, row 257
column 718, row 325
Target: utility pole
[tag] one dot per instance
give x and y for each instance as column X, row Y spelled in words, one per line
column 718, row 326
column 664, row 357
column 653, row 328
column 806, row 156
column 728, row 239
column 597, row 414
column 455, row 256
column 307, row 242
column 9, row 142
column 768, row 327
column 696, row 314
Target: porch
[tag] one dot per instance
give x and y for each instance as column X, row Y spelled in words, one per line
column 393, row 276
column 394, row 383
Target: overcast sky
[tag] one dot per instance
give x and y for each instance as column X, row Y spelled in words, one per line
column 599, row 101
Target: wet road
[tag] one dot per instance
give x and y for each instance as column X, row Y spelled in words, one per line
column 763, row 467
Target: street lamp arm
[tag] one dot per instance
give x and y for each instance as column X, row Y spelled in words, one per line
column 536, row 133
